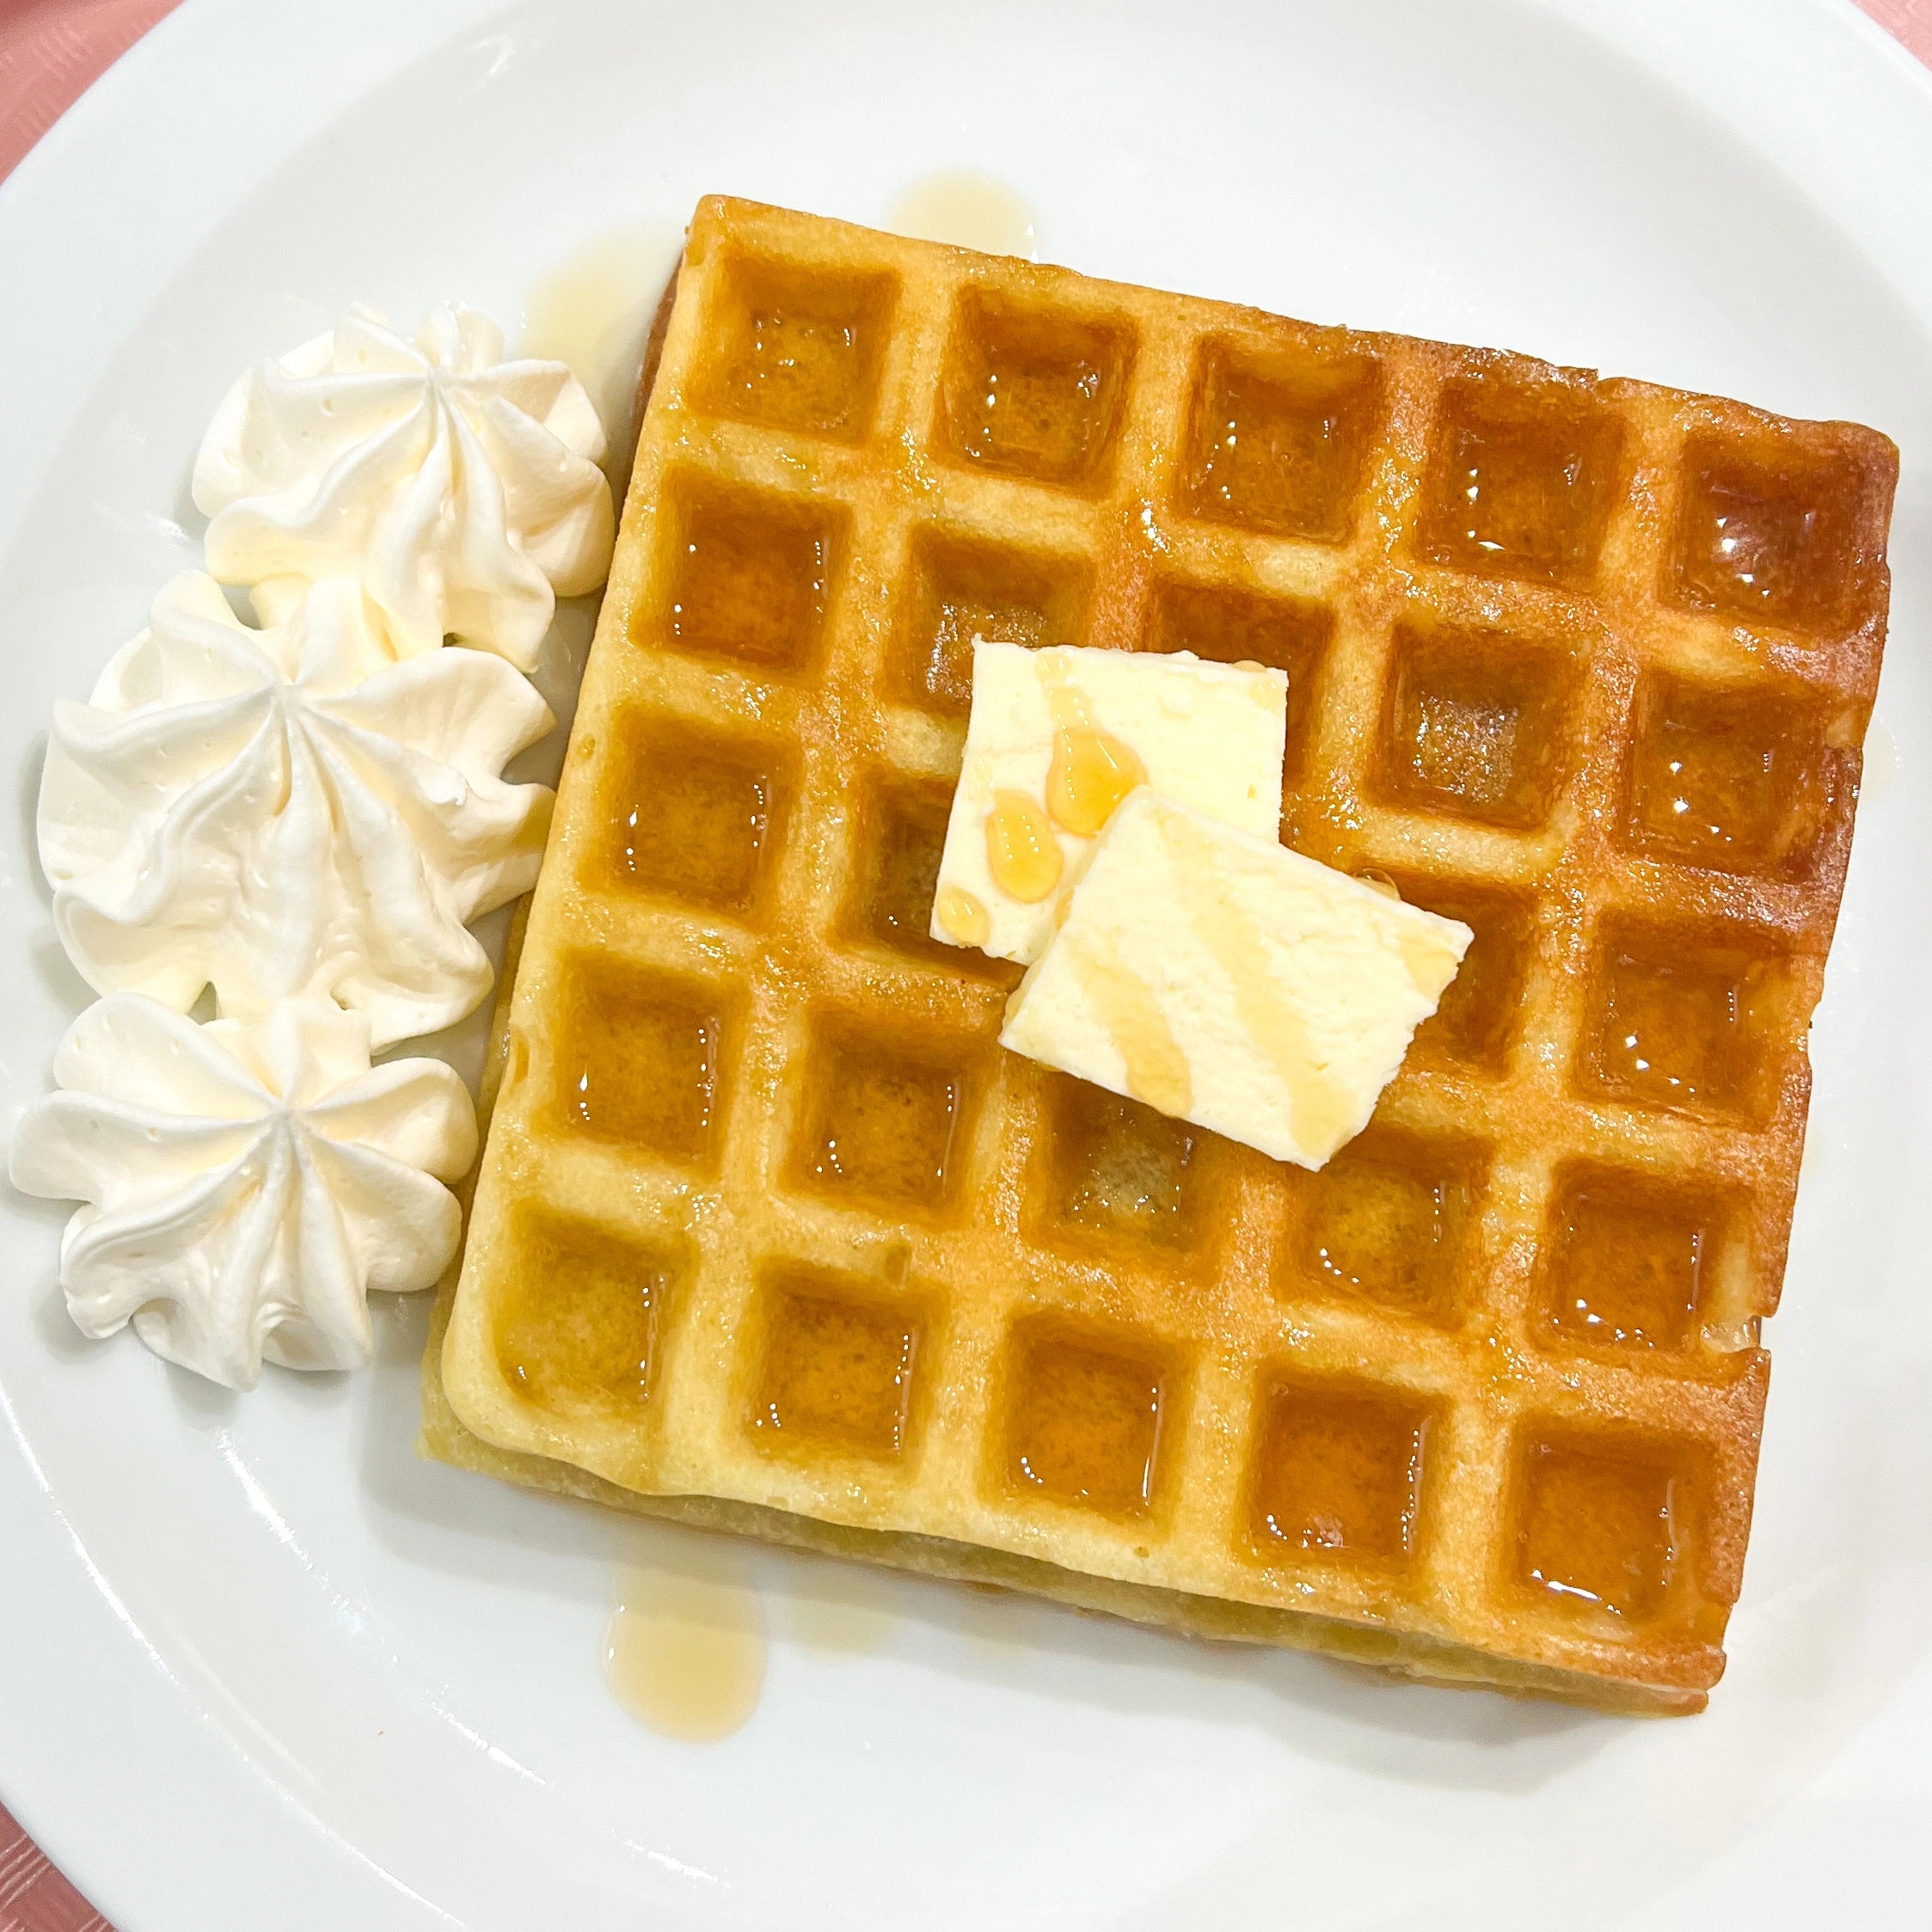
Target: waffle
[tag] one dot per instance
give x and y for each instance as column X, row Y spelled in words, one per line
column 769, row 1234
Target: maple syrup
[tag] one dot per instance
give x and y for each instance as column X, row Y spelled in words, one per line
column 1625, row 1273
column 1157, row 1071
column 1123, row 1170
column 638, row 1060
column 881, row 1126
column 964, row 916
column 1600, row 1527
column 749, row 580
column 1520, row 480
column 690, row 815
column 965, row 589
column 1338, row 1471
column 579, row 1322
column 593, row 313
column 837, row 1372
column 802, row 351
column 1034, row 395
column 1083, row 1422
column 1322, row 1112
column 966, row 211
column 1771, row 540
column 1092, row 771
column 1281, row 446
column 1675, row 1031
column 1022, row 853
column 1386, row 1221
column 685, row 1650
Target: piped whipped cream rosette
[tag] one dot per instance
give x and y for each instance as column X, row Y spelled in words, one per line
column 291, row 811
column 247, row 1185
column 464, row 490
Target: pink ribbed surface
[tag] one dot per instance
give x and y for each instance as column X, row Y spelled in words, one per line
column 50, row 51
column 1910, row 20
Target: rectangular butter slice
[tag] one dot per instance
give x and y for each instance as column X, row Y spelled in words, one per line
column 1222, row 978
column 1210, row 735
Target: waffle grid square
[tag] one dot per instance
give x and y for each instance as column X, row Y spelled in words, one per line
column 1584, row 662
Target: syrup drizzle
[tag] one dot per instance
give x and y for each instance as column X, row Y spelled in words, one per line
column 1157, row 1069
column 1321, row 1110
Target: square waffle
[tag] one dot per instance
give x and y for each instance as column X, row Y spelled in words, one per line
column 770, row 1235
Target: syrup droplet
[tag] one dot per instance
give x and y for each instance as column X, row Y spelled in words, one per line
column 1022, row 852
column 963, row 917
column 685, row 1649
column 1092, row 771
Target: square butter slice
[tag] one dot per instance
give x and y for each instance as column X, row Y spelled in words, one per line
column 1222, row 978
column 1057, row 738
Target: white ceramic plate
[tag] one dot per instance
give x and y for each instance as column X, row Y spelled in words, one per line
column 260, row 1666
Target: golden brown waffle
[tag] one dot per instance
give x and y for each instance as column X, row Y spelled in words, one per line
column 769, row 1233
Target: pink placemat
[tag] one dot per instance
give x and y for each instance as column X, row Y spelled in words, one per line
column 51, row 51
column 1910, row 20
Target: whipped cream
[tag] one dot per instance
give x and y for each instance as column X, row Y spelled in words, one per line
column 463, row 489
column 247, row 1185
column 290, row 810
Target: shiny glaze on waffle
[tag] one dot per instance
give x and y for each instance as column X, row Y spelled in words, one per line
column 766, row 1217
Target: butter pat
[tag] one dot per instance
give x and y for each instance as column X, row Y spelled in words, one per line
column 1224, row 980
column 1056, row 738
